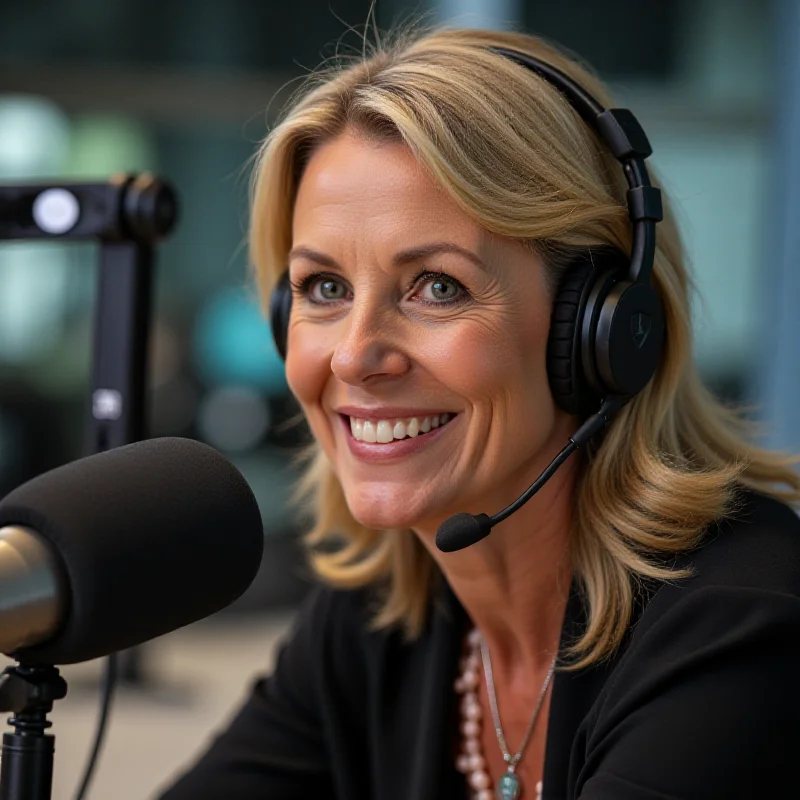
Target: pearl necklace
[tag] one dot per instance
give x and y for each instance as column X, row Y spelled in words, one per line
column 470, row 760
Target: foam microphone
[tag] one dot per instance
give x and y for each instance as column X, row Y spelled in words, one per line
column 463, row 530
column 118, row 548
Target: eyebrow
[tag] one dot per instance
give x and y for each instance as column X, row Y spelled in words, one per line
column 400, row 259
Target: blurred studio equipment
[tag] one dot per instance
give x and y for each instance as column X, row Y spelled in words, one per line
column 127, row 216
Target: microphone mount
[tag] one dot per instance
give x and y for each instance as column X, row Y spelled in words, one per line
column 27, row 753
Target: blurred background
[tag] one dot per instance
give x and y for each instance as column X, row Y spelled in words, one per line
column 186, row 90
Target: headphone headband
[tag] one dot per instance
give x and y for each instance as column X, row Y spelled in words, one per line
column 626, row 140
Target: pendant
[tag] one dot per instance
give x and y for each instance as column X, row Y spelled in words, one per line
column 509, row 787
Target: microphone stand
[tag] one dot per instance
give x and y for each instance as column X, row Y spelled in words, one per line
column 120, row 335
column 29, row 692
column 127, row 215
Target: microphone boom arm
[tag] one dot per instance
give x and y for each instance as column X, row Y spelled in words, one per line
column 463, row 530
column 587, row 431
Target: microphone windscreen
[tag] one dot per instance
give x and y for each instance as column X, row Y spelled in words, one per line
column 152, row 536
column 462, row 530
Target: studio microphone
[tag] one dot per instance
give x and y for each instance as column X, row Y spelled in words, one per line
column 115, row 549
column 463, row 530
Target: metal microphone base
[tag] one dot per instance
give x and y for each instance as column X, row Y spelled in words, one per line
column 26, row 771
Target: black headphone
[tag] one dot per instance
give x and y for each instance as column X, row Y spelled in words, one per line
column 607, row 325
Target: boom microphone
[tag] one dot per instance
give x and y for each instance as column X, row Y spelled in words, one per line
column 118, row 548
column 463, row 530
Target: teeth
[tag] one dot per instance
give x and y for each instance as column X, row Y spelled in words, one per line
column 387, row 430
column 357, row 428
column 369, row 434
column 385, row 434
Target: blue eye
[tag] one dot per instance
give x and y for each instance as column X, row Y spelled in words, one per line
column 440, row 289
column 322, row 289
column 444, row 290
column 327, row 289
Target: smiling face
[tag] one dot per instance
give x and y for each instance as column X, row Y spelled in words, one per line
column 416, row 342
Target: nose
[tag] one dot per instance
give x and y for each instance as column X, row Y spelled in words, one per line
column 369, row 348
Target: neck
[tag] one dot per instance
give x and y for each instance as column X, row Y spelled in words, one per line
column 514, row 584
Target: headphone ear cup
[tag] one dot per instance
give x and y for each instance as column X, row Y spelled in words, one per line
column 564, row 368
column 280, row 309
column 628, row 337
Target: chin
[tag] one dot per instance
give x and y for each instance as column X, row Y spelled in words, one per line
column 386, row 513
column 382, row 519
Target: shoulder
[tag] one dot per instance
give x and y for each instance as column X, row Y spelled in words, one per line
column 755, row 546
column 325, row 652
column 335, row 631
column 338, row 618
column 750, row 558
column 707, row 679
column 744, row 575
column 336, row 628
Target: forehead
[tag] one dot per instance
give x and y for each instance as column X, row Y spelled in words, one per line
column 351, row 185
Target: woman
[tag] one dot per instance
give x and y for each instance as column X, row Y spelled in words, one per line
column 629, row 632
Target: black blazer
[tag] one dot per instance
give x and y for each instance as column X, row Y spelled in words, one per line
column 701, row 702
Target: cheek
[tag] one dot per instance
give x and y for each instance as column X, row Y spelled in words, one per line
column 308, row 367
column 308, row 371
column 485, row 360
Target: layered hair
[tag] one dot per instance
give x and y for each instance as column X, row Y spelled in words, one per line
column 511, row 153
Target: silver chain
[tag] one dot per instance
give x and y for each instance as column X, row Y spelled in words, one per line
column 512, row 761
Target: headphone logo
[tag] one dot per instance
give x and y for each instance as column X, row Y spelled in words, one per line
column 641, row 325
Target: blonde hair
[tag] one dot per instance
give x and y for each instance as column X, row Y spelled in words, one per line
column 513, row 155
